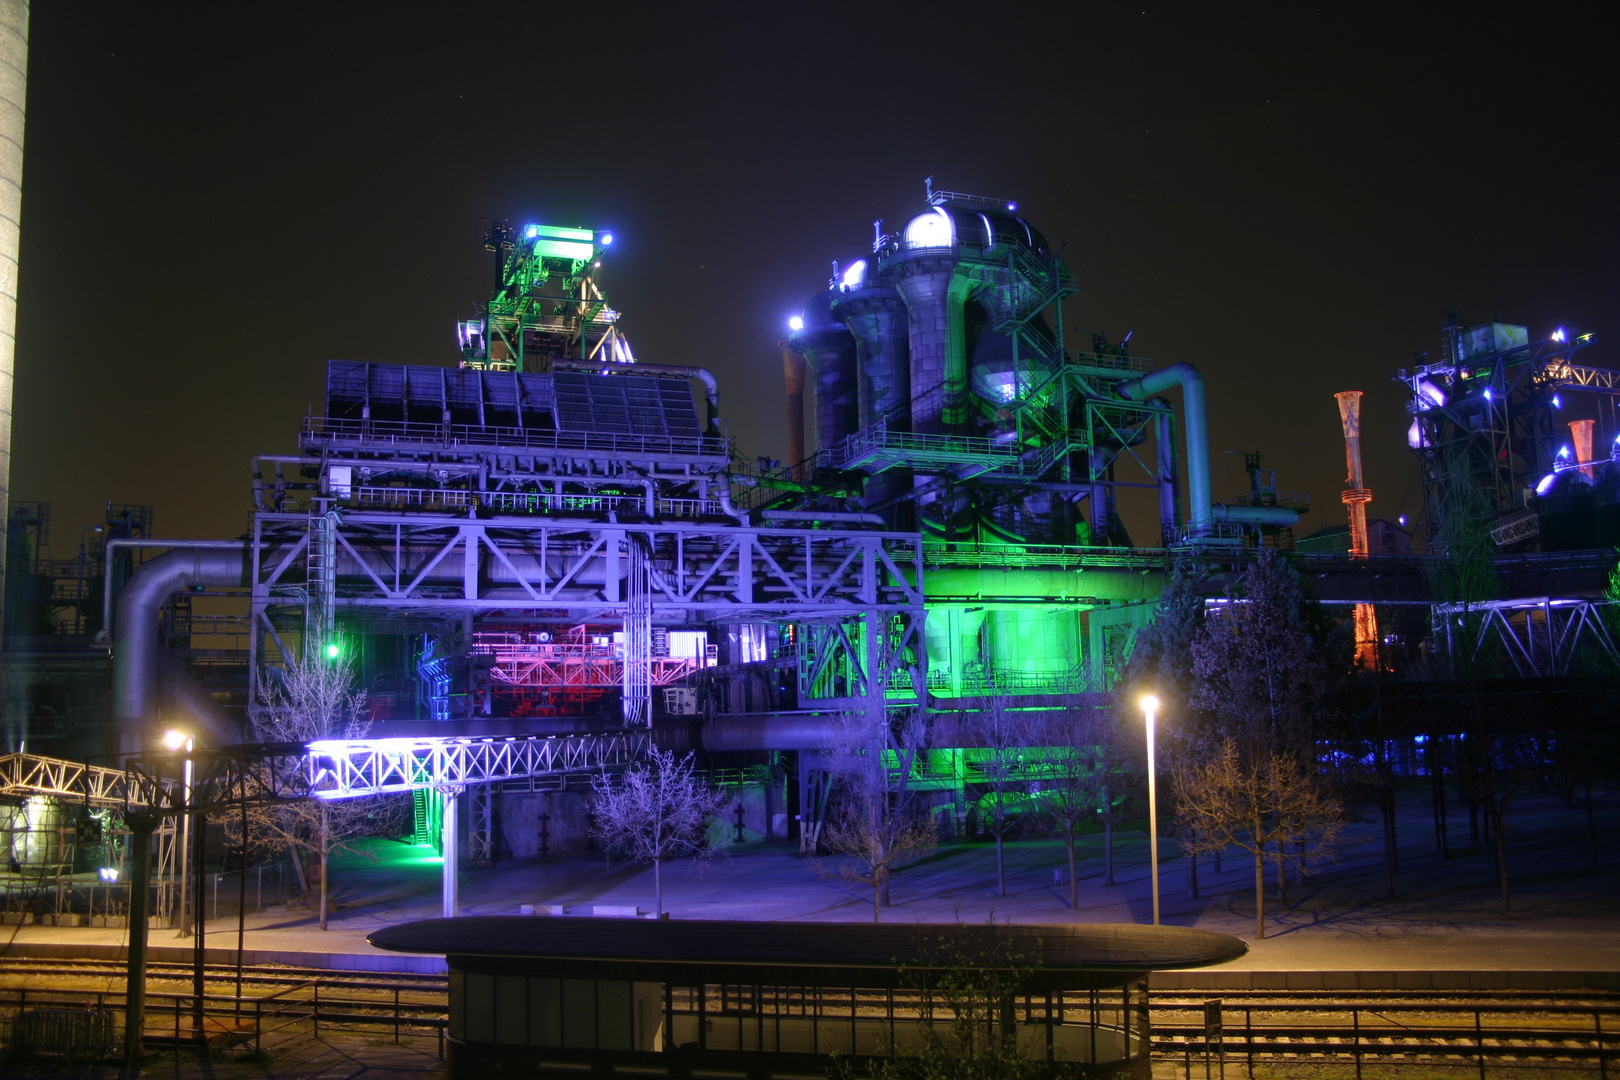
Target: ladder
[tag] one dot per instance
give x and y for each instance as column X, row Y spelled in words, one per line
column 321, row 582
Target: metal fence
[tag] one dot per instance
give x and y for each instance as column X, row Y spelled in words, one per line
column 77, row 1024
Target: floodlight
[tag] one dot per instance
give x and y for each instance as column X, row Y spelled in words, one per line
column 174, row 740
column 796, row 324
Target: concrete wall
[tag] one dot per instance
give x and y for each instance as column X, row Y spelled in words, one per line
column 764, row 818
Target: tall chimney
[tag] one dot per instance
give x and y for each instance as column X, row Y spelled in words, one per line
column 1355, row 499
column 793, row 372
column 13, row 98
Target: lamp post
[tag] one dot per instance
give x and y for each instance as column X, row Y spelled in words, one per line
column 1150, row 708
column 176, row 741
column 192, row 847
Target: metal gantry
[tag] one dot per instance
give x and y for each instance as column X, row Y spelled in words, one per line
column 1541, row 637
column 581, row 571
column 340, row 769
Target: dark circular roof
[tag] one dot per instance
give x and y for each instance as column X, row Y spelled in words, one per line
column 1081, row 947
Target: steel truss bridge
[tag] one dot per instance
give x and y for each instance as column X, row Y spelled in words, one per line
column 389, row 565
column 1541, row 637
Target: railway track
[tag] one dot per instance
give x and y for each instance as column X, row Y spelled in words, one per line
column 1490, row 1029
column 256, row 974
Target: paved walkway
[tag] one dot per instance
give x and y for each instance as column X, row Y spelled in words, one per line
column 1566, row 917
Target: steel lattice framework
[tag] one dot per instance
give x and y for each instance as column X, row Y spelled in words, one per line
column 421, row 565
column 31, row 774
column 1540, row 637
column 349, row 769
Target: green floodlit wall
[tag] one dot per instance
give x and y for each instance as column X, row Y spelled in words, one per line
column 1029, row 648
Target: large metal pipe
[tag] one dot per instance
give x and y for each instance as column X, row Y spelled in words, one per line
column 1164, row 437
column 1201, row 512
column 711, row 385
column 13, row 113
column 135, row 634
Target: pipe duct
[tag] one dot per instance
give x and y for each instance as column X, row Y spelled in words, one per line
column 135, row 634
column 1201, row 512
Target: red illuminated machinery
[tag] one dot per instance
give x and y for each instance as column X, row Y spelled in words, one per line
column 1355, row 499
column 539, row 673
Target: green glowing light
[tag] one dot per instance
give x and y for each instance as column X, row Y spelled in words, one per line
column 332, row 652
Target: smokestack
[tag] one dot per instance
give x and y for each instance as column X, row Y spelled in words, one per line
column 1355, row 499
column 1581, row 432
column 793, row 372
column 13, row 112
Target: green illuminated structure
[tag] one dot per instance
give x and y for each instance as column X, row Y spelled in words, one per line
column 546, row 302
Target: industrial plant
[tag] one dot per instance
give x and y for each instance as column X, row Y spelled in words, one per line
column 544, row 556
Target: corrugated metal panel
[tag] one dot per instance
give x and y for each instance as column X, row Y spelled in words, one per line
column 345, row 388
column 625, row 405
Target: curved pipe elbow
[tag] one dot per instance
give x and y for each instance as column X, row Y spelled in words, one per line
column 135, row 633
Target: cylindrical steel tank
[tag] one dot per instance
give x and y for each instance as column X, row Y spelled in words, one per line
column 938, row 361
column 876, row 318
column 830, row 348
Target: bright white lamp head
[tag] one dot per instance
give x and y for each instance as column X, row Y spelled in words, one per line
column 796, row 324
column 174, row 740
column 1150, row 704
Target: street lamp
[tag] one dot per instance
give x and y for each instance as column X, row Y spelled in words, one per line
column 1150, row 708
column 175, row 741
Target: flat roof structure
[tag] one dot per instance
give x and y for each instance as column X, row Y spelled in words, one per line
column 547, row 996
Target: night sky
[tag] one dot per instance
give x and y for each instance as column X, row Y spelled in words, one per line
column 1288, row 196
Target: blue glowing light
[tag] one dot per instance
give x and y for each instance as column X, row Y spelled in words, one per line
column 1558, row 334
column 531, row 231
column 1563, row 451
column 1487, row 393
column 796, row 324
column 855, row 274
column 1012, row 207
column 607, row 238
column 1556, row 403
column 1402, row 520
column 1546, row 483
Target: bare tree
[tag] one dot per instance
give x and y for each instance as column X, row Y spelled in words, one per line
column 1244, row 760
column 1078, row 769
column 659, row 809
column 1000, row 738
column 875, row 824
column 1266, row 805
column 312, row 701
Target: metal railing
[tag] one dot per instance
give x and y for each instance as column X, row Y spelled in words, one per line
column 319, row 431
column 172, row 1017
column 523, row 502
column 1483, row 1036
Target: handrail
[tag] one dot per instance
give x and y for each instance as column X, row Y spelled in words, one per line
column 319, row 430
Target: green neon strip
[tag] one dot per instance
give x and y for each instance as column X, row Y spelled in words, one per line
column 557, row 232
column 559, row 249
